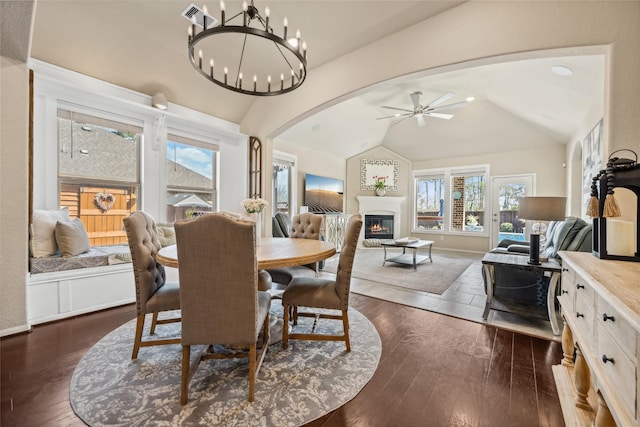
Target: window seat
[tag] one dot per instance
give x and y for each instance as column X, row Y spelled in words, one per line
column 59, row 287
column 96, row 257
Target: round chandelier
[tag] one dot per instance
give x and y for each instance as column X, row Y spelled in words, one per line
column 243, row 53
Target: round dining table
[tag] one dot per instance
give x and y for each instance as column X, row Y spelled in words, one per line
column 272, row 252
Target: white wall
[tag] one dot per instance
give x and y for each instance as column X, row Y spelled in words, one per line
column 14, row 143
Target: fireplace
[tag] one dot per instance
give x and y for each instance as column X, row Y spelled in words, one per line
column 378, row 227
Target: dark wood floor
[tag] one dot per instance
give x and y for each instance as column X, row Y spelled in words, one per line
column 435, row 370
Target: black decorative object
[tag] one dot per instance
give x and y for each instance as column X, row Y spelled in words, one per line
column 620, row 173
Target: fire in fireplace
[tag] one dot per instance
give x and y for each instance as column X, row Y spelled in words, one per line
column 378, row 227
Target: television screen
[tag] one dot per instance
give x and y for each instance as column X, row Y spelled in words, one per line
column 322, row 194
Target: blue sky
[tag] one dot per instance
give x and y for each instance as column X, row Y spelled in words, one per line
column 197, row 159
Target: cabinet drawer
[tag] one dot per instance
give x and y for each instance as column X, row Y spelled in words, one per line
column 619, row 370
column 585, row 310
column 621, row 331
column 568, row 289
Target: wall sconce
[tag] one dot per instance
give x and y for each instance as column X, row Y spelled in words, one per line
column 159, row 101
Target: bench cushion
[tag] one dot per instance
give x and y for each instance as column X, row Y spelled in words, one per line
column 95, row 257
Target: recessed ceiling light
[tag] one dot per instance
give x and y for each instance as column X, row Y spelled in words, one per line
column 315, row 127
column 470, row 99
column 562, row 71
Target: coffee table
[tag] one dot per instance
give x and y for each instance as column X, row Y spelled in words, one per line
column 405, row 258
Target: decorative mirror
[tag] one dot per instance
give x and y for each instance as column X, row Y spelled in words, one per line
column 379, row 168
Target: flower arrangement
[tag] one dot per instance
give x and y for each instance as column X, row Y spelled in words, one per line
column 254, row 205
column 380, row 182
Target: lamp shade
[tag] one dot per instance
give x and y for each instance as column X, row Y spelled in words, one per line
column 542, row 208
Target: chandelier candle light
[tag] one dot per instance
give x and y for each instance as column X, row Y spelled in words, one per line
column 254, row 39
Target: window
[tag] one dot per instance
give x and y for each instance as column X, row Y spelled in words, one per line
column 430, row 202
column 283, row 175
column 98, row 173
column 190, row 177
column 451, row 199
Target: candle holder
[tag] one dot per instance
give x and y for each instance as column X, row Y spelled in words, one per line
column 608, row 232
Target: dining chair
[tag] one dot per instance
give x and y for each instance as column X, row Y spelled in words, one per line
column 222, row 307
column 153, row 293
column 322, row 293
column 304, row 226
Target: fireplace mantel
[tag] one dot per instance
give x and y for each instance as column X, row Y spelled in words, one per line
column 374, row 205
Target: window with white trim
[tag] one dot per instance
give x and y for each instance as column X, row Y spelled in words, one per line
column 451, row 199
column 191, row 177
column 98, row 173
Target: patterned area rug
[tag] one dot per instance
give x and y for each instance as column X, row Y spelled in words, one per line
column 293, row 387
column 433, row 277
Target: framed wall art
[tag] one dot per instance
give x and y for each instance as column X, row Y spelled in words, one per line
column 384, row 168
column 591, row 159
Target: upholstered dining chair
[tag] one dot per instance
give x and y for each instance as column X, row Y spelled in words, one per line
column 153, row 293
column 221, row 303
column 304, row 226
column 322, row 293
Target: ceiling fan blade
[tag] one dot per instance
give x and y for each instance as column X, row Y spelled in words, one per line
column 401, row 120
column 449, row 106
column 420, row 120
column 395, row 115
column 439, row 100
column 396, row 108
column 440, row 115
column 415, row 99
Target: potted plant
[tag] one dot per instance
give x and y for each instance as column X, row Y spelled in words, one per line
column 380, row 183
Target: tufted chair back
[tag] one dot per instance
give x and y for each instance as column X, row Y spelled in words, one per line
column 144, row 244
column 306, row 226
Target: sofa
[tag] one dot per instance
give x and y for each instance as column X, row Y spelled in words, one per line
column 528, row 287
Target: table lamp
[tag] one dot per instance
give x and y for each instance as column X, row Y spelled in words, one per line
column 540, row 209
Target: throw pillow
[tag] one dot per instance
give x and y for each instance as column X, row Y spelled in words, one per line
column 43, row 241
column 166, row 235
column 72, row 238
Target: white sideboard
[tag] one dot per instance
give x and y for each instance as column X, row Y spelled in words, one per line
column 597, row 379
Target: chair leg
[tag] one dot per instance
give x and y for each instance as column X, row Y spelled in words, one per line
column 184, row 384
column 345, row 325
column 285, row 327
column 138, row 337
column 154, row 322
column 252, row 370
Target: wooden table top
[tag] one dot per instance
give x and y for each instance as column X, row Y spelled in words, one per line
column 273, row 252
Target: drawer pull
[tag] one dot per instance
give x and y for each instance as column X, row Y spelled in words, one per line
column 579, row 286
column 605, row 318
column 606, row 359
column 578, row 314
column 564, row 291
column 565, row 269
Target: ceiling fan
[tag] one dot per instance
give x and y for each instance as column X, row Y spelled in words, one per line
column 432, row 109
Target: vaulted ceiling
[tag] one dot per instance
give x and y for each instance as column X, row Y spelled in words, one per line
column 141, row 45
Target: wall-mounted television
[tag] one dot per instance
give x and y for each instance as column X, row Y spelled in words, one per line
column 323, row 194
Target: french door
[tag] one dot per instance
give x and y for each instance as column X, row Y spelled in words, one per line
column 505, row 192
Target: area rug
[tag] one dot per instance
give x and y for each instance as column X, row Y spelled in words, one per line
column 433, row 277
column 294, row 386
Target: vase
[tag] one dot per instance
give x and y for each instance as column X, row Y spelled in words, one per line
column 380, row 192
